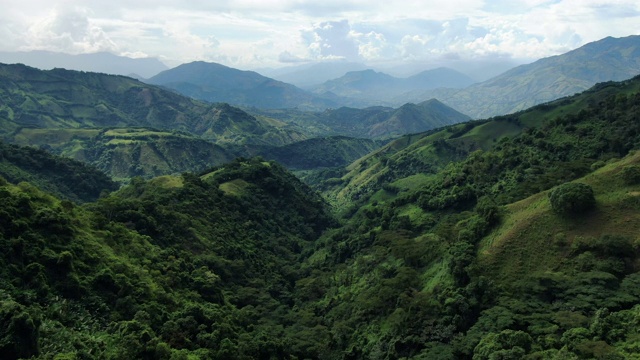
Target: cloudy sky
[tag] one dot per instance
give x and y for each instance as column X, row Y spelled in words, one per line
column 271, row 33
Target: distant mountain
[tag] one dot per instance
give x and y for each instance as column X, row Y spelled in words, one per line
column 376, row 122
column 381, row 88
column 218, row 83
column 308, row 75
column 609, row 59
column 101, row 62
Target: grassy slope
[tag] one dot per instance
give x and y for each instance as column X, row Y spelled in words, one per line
column 534, row 240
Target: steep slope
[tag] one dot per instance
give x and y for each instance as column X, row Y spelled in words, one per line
column 466, row 259
column 416, row 155
column 546, row 79
column 218, row 83
column 66, row 178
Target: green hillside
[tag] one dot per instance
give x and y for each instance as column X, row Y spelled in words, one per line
column 31, row 98
column 514, row 237
column 124, row 153
column 450, row 248
column 161, row 269
column 587, row 125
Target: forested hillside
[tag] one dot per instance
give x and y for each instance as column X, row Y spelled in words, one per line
column 470, row 259
column 199, row 265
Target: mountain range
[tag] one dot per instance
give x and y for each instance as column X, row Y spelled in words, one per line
column 128, row 128
column 218, row 83
column 609, row 59
column 378, row 88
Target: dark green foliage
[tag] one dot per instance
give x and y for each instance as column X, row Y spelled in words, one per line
column 19, row 332
column 316, row 153
column 64, row 177
column 240, row 261
column 631, row 175
column 572, row 198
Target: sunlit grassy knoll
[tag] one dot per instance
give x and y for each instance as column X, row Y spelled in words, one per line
column 235, row 187
column 436, row 275
column 485, row 135
column 52, row 137
column 413, row 181
column 167, row 181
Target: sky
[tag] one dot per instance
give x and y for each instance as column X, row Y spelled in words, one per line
column 251, row 34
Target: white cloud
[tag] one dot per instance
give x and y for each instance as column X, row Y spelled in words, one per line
column 67, row 31
column 258, row 33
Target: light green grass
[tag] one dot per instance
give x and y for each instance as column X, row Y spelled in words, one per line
column 533, row 239
column 235, row 187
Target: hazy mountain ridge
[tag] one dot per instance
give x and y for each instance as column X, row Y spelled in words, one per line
column 377, row 122
column 101, row 62
column 309, row 75
column 218, row 83
column 609, row 59
column 371, row 86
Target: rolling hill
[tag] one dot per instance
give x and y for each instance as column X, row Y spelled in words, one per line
column 124, row 153
column 65, row 178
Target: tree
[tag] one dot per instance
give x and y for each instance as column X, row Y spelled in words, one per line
column 572, row 198
column 631, row 174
